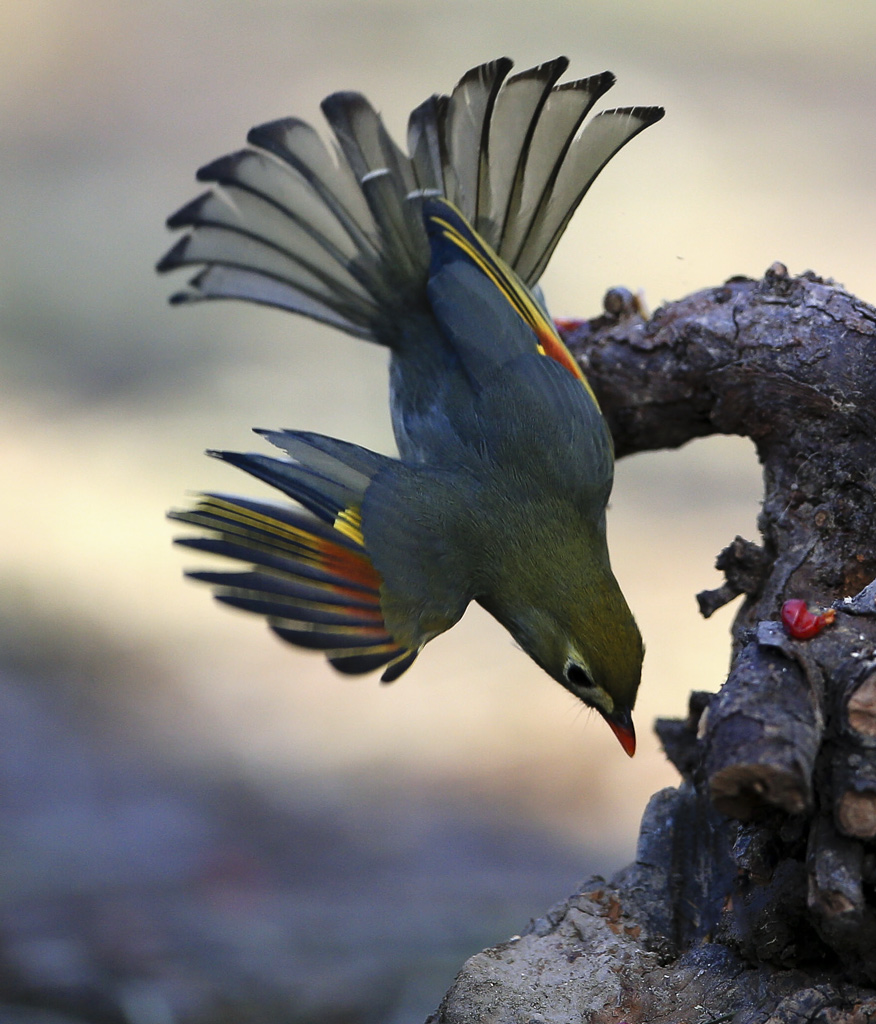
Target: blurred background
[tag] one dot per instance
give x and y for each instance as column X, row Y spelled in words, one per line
column 197, row 822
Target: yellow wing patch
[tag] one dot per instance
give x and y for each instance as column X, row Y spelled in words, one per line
column 349, row 522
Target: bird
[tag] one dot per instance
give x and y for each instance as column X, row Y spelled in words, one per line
column 505, row 462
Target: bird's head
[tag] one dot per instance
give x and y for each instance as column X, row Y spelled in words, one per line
column 589, row 642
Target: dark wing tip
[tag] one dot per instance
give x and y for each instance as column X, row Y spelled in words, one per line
column 597, row 84
column 556, row 66
column 648, row 115
column 498, row 67
column 175, row 257
column 223, row 168
column 271, row 134
column 399, row 666
column 344, row 101
column 189, row 215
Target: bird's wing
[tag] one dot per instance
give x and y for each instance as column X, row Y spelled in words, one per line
column 480, row 303
column 309, row 571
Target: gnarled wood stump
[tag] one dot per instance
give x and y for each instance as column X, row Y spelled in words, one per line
column 754, row 889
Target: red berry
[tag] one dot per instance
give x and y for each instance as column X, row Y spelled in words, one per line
column 801, row 623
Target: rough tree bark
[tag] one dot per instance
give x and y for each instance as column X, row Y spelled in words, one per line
column 753, row 894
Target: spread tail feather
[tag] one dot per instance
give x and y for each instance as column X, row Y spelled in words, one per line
column 336, row 233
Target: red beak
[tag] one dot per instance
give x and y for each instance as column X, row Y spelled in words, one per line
column 621, row 724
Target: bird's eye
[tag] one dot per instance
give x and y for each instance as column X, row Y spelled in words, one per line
column 579, row 677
